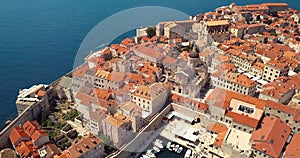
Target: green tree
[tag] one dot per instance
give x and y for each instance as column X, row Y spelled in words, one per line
column 151, row 31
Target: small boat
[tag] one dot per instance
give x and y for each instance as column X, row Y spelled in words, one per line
column 169, row 145
column 172, row 147
column 179, row 150
column 150, row 154
column 188, row 153
column 176, row 148
column 158, row 144
column 156, row 149
column 145, row 156
column 158, row 140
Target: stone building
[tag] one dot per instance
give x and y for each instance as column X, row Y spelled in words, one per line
column 118, row 128
column 270, row 140
column 189, row 78
column 64, row 89
column 274, row 69
column 95, row 121
column 36, row 94
column 134, row 113
column 218, row 30
column 88, row 146
column 287, row 114
column 150, row 98
column 236, row 82
column 280, row 90
column 242, row 112
column 175, row 29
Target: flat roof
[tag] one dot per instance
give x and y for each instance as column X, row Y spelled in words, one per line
column 217, row 23
column 186, row 132
column 257, row 113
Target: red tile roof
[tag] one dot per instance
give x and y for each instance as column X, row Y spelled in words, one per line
column 271, row 137
column 242, row 119
column 102, row 94
column 80, row 71
column 293, row 149
column 237, row 78
column 284, row 108
column 127, row 42
column 221, row 130
column 281, row 86
column 179, row 99
column 148, row 51
column 26, row 149
column 41, row 93
column 169, row 60
column 30, row 127
column 17, row 134
column 116, row 76
column 221, row 98
column 277, row 64
column 64, row 154
column 84, row 145
column 226, row 67
column 38, row 134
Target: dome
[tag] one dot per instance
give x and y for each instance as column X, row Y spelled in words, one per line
column 194, row 53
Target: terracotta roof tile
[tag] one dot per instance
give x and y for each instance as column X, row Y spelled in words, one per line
column 221, row 98
column 221, row 130
column 80, row 71
column 271, row 137
column 30, row 127
column 243, row 119
column 17, row 134
column 38, row 134
column 293, row 149
column 84, row 145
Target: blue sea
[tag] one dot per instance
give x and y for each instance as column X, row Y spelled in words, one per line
column 39, row 39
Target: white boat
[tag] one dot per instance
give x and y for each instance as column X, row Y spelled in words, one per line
column 150, row 154
column 156, row 149
column 179, row 150
column 145, row 156
column 188, row 153
column 172, row 147
column 176, row 148
column 169, row 145
column 158, row 140
column 158, row 144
